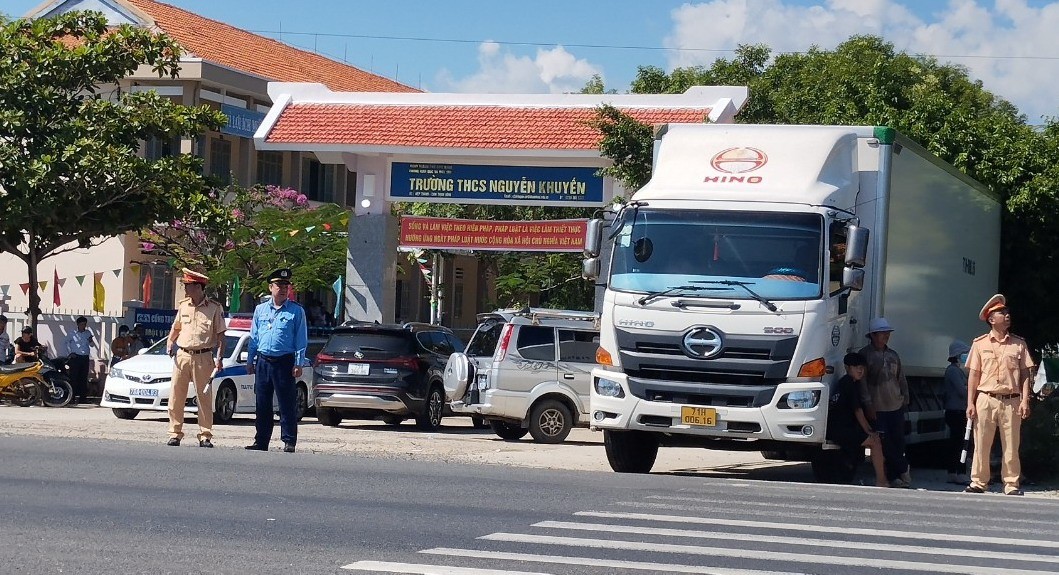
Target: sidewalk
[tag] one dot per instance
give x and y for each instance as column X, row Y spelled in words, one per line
column 457, row 442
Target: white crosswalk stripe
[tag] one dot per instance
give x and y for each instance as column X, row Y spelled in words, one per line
column 756, row 554
column 870, row 532
column 705, row 542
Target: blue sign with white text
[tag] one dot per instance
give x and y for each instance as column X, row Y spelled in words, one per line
column 506, row 185
column 241, row 122
column 155, row 322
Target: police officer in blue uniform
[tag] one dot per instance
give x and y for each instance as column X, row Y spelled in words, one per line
column 278, row 337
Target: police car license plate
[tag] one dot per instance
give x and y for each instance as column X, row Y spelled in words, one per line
column 144, row 392
column 357, row 369
column 698, row 416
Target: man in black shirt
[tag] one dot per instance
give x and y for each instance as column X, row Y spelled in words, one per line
column 846, row 422
column 27, row 348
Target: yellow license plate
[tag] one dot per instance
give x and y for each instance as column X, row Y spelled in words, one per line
column 698, row 416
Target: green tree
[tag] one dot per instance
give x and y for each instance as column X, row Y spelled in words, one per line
column 257, row 230
column 70, row 172
column 866, row 81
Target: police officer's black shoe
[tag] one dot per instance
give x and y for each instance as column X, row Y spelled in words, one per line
column 173, row 442
column 256, row 447
column 206, row 443
column 288, row 448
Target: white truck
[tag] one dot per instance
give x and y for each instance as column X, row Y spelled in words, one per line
column 753, row 260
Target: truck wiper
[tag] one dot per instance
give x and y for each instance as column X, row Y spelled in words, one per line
column 746, row 286
column 657, row 294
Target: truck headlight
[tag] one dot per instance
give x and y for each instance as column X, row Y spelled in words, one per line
column 801, row 399
column 609, row 388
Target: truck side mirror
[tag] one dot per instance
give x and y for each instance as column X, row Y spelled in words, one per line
column 593, row 237
column 856, row 246
column 853, row 278
column 590, row 268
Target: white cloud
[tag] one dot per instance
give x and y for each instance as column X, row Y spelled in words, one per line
column 966, row 32
column 553, row 70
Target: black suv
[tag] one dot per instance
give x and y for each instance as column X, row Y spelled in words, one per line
column 395, row 371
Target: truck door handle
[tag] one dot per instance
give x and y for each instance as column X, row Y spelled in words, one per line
column 568, row 376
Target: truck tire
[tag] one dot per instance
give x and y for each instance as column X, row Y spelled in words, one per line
column 834, row 466
column 328, row 416
column 508, row 431
column 630, row 451
column 550, row 421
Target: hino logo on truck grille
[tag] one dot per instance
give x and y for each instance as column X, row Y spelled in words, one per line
column 702, row 343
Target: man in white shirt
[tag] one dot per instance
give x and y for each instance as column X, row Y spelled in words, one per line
column 79, row 345
column 5, row 342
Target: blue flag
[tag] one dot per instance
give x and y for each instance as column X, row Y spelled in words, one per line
column 337, row 286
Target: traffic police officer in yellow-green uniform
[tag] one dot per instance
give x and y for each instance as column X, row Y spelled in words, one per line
column 998, row 396
column 196, row 343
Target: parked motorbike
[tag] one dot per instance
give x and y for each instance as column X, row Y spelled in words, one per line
column 58, row 391
column 28, row 383
column 21, row 383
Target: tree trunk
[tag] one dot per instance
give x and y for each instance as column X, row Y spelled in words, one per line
column 34, row 295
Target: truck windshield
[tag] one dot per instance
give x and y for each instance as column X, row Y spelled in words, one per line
column 777, row 255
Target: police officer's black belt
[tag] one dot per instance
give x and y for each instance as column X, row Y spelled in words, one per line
column 197, row 351
column 1002, row 395
column 277, row 358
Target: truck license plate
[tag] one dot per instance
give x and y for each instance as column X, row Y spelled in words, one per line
column 698, row 416
column 144, row 392
column 357, row 369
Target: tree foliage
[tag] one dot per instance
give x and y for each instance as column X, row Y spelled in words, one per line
column 70, row 171
column 865, row 81
column 258, row 230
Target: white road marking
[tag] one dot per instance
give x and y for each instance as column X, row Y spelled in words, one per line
column 1049, row 521
column 418, row 569
column 866, row 546
column 759, row 555
column 806, row 528
column 592, row 562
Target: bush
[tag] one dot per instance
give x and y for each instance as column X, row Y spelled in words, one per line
column 1040, row 441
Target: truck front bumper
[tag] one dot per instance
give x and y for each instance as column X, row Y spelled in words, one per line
column 770, row 422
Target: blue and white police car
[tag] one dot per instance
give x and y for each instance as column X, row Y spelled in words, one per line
column 143, row 383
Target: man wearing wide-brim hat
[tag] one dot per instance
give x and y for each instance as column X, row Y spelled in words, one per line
column 998, row 395
column 885, row 397
column 196, row 342
column 278, row 338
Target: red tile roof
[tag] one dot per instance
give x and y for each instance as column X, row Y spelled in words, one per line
column 235, row 48
column 483, row 127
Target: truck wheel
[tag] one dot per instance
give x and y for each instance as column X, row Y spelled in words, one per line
column 508, row 431
column 630, row 451
column 125, row 413
column 550, row 421
column 834, row 466
column 328, row 416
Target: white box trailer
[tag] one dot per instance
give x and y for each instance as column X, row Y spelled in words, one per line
column 753, row 261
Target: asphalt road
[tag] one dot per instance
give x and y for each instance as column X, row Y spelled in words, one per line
column 91, row 506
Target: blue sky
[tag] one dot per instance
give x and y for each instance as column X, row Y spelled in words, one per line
column 556, row 46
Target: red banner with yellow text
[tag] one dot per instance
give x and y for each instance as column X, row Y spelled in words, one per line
column 529, row 236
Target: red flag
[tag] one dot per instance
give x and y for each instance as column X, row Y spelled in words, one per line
column 147, row 285
column 55, row 290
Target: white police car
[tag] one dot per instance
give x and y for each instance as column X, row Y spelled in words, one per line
column 143, row 383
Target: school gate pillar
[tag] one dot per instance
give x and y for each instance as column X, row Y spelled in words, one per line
column 371, row 271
